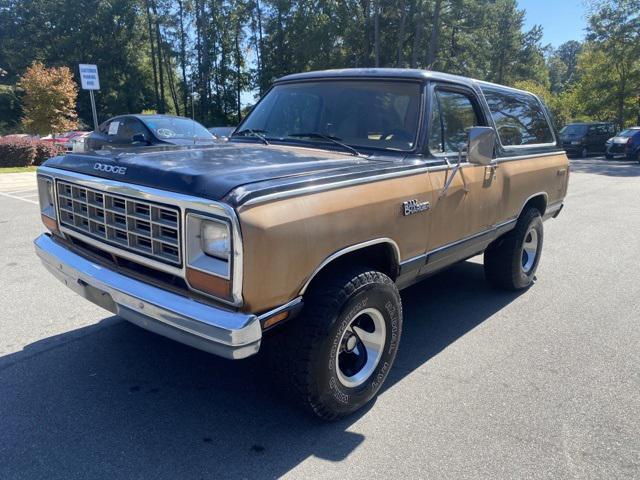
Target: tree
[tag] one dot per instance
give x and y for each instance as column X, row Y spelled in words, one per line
column 49, row 99
column 614, row 53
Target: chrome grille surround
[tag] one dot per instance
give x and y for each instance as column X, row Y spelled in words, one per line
column 146, row 228
column 184, row 203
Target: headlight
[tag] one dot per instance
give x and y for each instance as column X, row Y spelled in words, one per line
column 214, row 239
column 212, row 263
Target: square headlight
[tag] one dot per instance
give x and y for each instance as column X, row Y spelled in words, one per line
column 215, row 239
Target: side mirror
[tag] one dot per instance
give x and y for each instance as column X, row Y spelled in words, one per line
column 139, row 138
column 481, row 145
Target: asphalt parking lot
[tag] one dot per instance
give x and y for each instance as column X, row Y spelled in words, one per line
column 540, row 384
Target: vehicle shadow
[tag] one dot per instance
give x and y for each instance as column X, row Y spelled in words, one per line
column 112, row 400
column 618, row 167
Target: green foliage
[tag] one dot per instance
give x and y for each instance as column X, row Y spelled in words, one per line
column 10, row 109
column 202, row 56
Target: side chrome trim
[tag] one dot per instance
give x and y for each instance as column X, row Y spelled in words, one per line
column 350, row 249
column 417, row 265
column 373, row 178
column 184, row 202
column 283, row 308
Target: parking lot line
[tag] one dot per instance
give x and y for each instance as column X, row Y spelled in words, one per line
column 8, row 195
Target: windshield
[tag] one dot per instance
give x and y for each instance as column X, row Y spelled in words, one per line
column 169, row 127
column 628, row 133
column 376, row 114
column 574, row 130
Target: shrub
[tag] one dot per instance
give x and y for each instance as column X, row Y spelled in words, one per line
column 24, row 152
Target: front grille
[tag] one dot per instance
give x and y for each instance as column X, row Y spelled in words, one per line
column 144, row 228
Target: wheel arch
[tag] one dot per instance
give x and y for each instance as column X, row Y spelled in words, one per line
column 537, row 200
column 382, row 254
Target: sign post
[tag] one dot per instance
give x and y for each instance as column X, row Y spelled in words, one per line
column 90, row 81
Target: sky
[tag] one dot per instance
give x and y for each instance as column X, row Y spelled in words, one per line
column 561, row 20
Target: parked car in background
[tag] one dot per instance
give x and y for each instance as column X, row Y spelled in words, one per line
column 625, row 143
column 585, row 138
column 64, row 139
column 127, row 131
column 78, row 142
column 221, row 133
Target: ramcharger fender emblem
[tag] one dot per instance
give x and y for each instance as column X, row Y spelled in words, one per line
column 110, row 168
column 414, row 206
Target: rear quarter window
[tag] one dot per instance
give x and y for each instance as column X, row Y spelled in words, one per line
column 519, row 117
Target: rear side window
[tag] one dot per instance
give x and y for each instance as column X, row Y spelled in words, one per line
column 519, row 118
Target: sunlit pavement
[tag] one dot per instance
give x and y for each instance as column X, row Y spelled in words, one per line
column 541, row 384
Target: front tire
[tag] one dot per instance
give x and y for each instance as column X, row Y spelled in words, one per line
column 511, row 261
column 335, row 356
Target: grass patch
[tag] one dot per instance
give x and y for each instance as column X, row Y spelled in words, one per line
column 17, row 169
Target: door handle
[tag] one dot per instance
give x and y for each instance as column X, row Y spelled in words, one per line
column 562, row 171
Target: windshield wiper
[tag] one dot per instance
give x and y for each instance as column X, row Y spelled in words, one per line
column 335, row 140
column 255, row 133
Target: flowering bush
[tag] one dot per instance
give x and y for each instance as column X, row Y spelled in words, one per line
column 24, row 152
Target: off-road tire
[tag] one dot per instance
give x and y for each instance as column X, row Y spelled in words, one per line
column 503, row 258
column 303, row 354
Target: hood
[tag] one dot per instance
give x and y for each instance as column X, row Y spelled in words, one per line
column 213, row 171
column 619, row 140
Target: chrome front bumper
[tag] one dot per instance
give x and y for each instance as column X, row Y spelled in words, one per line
column 222, row 332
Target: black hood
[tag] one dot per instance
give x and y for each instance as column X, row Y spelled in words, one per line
column 214, row 171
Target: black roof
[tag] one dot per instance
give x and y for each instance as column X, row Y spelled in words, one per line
column 393, row 73
column 589, row 123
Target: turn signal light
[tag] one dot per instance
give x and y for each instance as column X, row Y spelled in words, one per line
column 50, row 223
column 207, row 283
column 270, row 322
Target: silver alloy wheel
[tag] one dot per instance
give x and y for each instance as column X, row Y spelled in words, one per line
column 529, row 250
column 360, row 347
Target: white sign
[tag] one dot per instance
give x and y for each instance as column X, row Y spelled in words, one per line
column 113, row 128
column 89, row 77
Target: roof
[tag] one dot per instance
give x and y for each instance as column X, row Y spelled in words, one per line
column 395, row 73
column 589, row 123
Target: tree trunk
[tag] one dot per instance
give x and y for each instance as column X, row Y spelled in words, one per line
column 435, row 35
column 417, row 36
column 153, row 56
column 403, row 18
column 161, row 107
column 238, row 72
column 376, row 31
column 183, row 56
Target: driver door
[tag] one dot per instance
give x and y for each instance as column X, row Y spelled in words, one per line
column 463, row 214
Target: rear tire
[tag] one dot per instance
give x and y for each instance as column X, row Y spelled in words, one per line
column 511, row 261
column 336, row 355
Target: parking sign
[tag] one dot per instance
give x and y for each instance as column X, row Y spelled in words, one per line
column 89, row 77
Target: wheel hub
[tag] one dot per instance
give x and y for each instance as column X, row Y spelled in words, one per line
column 361, row 347
column 529, row 250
